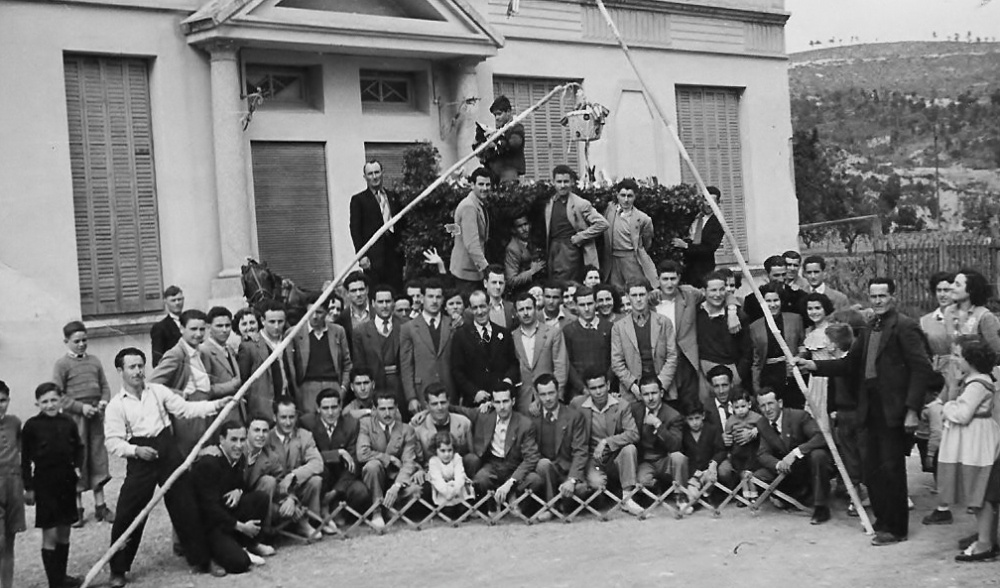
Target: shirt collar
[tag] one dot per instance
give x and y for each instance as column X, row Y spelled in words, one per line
column 708, row 310
column 485, row 327
column 191, row 352
column 428, row 317
column 534, row 330
column 315, row 331
column 76, row 355
column 555, row 412
column 267, row 340
column 938, row 315
column 821, row 289
column 365, row 312
column 594, row 323
column 589, row 403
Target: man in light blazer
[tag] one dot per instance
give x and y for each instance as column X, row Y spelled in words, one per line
column 627, row 347
column 280, row 378
column 628, row 236
column 562, row 443
column 571, row 227
column 814, row 271
column 219, row 358
column 548, row 351
column 376, row 347
column 322, row 357
column 388, row 450
column 472, row 228
column 425, row 347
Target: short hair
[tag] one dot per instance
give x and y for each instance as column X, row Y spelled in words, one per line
column 650, row 379
column 217, row 311
column 740, row 394
column 814, row 259
column 715, row 275
column 482, row 172
column 977, row 352
column 938, row 277
column 544, row 380
column 385, row 395
column 715, row 192
column 238, row 317
column 823, row 299
column 501, row 104
column 720, row 370
column 383, row 288
column 553, row 285
column 479, row 292
column 882, row 281
column 4, row 389
column 767, row 288
column 313, row 298
column 259, row 416
column 590, row 268
column 361, row 371
column 730, row 273
column 73, row 327
column 435, row 389
column 765, row 390
column 356, row 276
column 615, row 297
column 637, row 282
column 417, row 283
column 792, row 254
column 121, row 355
column 503, row 386
column 976, row 285
column 192, row 315
column 326, row 393
column 46, row 387
column 841, row 335
column 372, row 161
column 692, row 408
column 774, row 261
column 563, row 169
column 592, row 373
column 583, row 292
column 494, row 268
column 453, row 292
column 229, row 425
column 172, row 291
column 852, row 317
column 524, row 296
column 284, row 400
column 626, row 184
column 270, row 306
column 431, row 284
column 668, row 265
column 441, row 439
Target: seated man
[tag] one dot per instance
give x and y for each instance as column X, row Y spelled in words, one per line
column 232, row 512
column 703, row 447
column 301, row 464
column 439, row 418
column 336, row 437
column 611, row 434
column 791, row 442
column 562, row 443
column 388, row 449
column 660, row 458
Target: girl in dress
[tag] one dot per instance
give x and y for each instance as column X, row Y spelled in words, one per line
column 970, row 443
column 817, row 345
column 446, row 472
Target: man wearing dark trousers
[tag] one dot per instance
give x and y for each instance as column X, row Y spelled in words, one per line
column 482, row 355
column 889, row 367
column 167, row 332
column 562, row 443
column 136, row 428
column 376, row 348
column 370, row 210
column 231, row 511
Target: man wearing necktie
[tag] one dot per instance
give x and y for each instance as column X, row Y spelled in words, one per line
column 294, row 449
column 370, row 210
column 704, row 237
column 483, row 355
column 388, row 450
column 562, row 443
column 219, row 358
column 376, row 348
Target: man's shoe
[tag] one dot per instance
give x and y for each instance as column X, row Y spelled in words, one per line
column 969, row 555
column 307, row 531
column 255, row 560
column 965, row 542
column 261, row 549
column 216, row 570
column 632, row 507
column 886, row 538
column 909, row 503
column 544, row 516
column 117, row 581
column 71, row 582
column 378, row 523
column 851, row 511
column 821, row 514
column 939, row 517
column 103, row 513
column 80, row 519
column 778, row 503
column 329, row 528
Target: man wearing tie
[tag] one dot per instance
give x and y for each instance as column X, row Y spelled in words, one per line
column 562, row 443
column 219, row 358
column 322, row 355
column 472, row 228
column 540, row 350
column 425, row 347
column 301, row 464
column 376, row 348
column 704, row 237
column 167, row 332
column 483, row 355
column 370, row 210
column 388, row 450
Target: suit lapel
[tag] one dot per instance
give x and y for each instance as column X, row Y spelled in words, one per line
column 540, row 341
column 445, row 333
column 887, row 332
column 508, row 441
column 560, row 428
column 490, row 429
column 630, row 331
column 424, row 331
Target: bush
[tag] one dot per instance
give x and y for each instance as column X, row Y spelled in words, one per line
column 671, row 208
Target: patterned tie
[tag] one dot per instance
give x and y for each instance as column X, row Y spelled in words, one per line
column 486, row 335
column 385, row 328
column 383, row 204
column 434, row 324
column 551, row 416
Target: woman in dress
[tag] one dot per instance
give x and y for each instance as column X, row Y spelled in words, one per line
column 817, row 345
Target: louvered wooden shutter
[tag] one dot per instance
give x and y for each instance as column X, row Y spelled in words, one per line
column 390, row 155
column 709, row 126
column 114, row 188
column 547, row 143
column 293, row 210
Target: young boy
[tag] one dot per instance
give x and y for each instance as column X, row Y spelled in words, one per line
column 742, row 457
column 702, row 444
column 81, row 378
column 50, row 466
column 11, row 487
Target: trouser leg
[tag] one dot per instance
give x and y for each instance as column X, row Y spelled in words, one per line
column 374, row 476
column 140, row 482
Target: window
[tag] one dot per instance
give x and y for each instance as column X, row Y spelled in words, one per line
column 283, row 86
column 386, row 89
column 114, row 189
column 390, row 155
column 709, row 126
column 547, row 143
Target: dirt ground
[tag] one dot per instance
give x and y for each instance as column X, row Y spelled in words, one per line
column 736, row 549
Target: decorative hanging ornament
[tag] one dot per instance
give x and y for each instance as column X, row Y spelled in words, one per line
column 586, row 122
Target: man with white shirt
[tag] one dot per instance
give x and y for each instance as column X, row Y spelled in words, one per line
column 501, row 311
column 301, row 469
column 482, row 356
column 540, row 350
column 376, row 348
column 359, row 309
column 388, row 449
column 642, row 344
column 425, row 347
column 814, row 270
column 167, row 332
column 136, row 429
column 794, row 279
column 282, row 371
column 370, row 210
column 322, row 357
column 554, row 313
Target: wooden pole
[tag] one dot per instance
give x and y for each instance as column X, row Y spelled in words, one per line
column 162, row 490
column 824, row 427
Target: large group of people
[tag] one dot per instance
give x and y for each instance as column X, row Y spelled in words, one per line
column 562, row 369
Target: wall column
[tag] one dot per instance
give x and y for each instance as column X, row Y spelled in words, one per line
column 231, row 185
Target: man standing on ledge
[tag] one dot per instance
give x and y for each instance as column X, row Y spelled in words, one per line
column 704, row 237
column 370, row 210
column 571, row 226
column 507, row 164
column 472, row 227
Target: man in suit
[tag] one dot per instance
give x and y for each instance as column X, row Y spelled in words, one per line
column 359, row 309
column 301, row 469
column 472, row 229
column 540, row 350
column 280, row 379
column 814, row 270
column 770, row 369
column 439, row 417
column 888, row 367
column 791, row 442
column 483, row 355
column 777, row 277
column 553, row 313
column 704, row 238
column 717, row 344
column 572, row 226
column 660, row 459
column 387, row 448
column 376, row 347
column 588, row 343
column 425, row 347
column 794, row 279
column 719, row 408
column 679, row 303
column 232, row 511
column 501, row 311
column 370, row 210
column 167, row 332
column 642, row 344
column 336, row 436
column 521, row 262
column 628, row 236
column 220, row 359
column 562, row 443
column 322, row 356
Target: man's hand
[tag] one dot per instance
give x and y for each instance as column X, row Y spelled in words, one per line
column 567, row 488
column 537, row 266
column 348, row 461
column 485, row 407
column 576, row 240
column 785, row 465
column 806, row 365
column 482, row 396
column 90, row 411
column 222, row 402
column 391, row 495
column 365, row 263
column 733, row 320
column 679, row 243
column 418, row 478
column 911, row 422
column 727, row 439
column 833, row 417
column 394, row 461
column 712, row 474
column 232, row 498
column 146, row 453
column 249, row 528
column 418, row 418
column 286, row 484
column 414, row 406
column 651, row 420
column 503, row 491
column 534, row 408
column 29, row 497
column 744, row 436
column 287, row 508
column 599, row 449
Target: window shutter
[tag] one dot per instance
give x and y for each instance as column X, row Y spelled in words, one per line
column 547, row 142
column 293, row 210
column 114, row 194
column 708, row 125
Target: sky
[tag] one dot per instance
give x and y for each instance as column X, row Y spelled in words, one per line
column 873, row 21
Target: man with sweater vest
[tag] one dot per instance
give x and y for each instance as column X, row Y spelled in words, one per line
column 323, row 357
column 562, row 443
column 376, row 347
column 588, row 343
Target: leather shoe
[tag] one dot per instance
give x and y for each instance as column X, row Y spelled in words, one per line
column 117, row 581
column 969, row 556
column 938, row 517
column 965, row 542
column 886, row 538
column 216, row 570
column 821, row 514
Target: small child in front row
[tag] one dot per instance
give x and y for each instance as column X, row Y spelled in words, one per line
column 446, row 472
column 743, row 458
column 702, row 443
column 11, row 487
column 52, row 454
column 81, row 378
